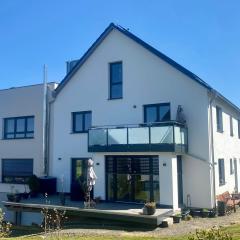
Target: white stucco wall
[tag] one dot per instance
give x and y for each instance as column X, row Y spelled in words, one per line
column 17, row 102
column 226, row 146
column 146, row 80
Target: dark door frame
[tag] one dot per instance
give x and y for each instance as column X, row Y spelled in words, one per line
column 180, row 181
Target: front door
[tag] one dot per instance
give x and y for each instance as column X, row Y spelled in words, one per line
column 132, row 178
column 236, row 175
column 79, row 178
column 79, row 170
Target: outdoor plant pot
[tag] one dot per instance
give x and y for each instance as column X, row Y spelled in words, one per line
column 195, row 213
column 222, row 208
column 25, row 195
column 205, row 213
column 177, row 218
column 185, row 213
column 149, row 208
column 62, row 199
column 12, row 197
column 212, row 213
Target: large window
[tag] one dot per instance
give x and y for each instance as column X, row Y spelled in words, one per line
column 116, row 88
column 81, row 121
column 132, row 178
column 157, row 112
column 19, row 127
column 16, row 170
column 221, row 171
column 219, row 119
column 231, row 126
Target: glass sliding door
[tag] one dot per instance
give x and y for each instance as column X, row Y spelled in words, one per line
column 132, row 178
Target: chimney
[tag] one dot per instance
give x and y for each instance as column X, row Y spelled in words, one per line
column 70, row 65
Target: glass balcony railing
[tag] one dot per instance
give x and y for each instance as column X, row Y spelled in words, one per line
column 163, row 137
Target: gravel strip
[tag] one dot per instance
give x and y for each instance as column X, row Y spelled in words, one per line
column 182, row 228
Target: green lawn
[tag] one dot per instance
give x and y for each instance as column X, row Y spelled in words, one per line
column 32, row 233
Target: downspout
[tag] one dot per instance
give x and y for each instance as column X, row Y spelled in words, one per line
column 213, row 95
column 44, row 128
column 48, row 129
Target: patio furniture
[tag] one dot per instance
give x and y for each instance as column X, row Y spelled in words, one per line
column 48, row 185
column 231, row 200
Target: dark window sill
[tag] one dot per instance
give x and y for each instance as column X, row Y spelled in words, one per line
column 220, row 131
column 17, row 183
column 78, row 132
column 109, row 99
column 222, row 184
column 17, row 138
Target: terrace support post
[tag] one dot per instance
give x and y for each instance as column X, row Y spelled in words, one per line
column 168, row 180
column 18, row 218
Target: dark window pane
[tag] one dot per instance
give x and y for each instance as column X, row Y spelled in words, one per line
column 78, row 127
column 151, row 114
column 17, row 170
column 9, row 125
column 116, row 91
column 221, row 171
column 164, row 112
column 30, row 124
column 231, row 126
column 20, row 125
column 29, row 135
column 115, row 80
column 20, row 135
column 88, row 121
column 9, row 135
column 116, row 72
column 219, row 119
column 238, row 128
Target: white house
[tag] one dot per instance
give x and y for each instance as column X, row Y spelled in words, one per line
column 155, row 131
column 21, row 145
column 118, row 106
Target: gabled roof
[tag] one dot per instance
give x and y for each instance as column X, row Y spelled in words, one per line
column 174, row 64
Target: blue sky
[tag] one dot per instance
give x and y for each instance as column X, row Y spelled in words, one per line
column 203, row 36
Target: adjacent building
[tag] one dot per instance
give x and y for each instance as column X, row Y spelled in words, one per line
column 21, row 128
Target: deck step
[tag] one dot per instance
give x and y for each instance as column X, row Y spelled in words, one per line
column 166, row 222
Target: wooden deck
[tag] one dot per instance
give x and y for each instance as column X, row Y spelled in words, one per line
column 104, row 211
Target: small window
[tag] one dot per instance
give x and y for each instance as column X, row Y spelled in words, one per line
column 81, row 121
column 16, row 170
column 157, row 112
column 219, row 119
column 231, row 126
column 19, row 127
column 221, row 171
column 231, row 167
column 116, row 88
column 239, row 129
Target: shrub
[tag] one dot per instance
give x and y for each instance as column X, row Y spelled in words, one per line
column 5, row 227
column 34, row 184
column 188, row 218
column 212, row 234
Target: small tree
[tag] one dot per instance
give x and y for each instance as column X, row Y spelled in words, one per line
column 5, row 227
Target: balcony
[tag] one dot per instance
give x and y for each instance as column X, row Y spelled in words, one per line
column 157, row 137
